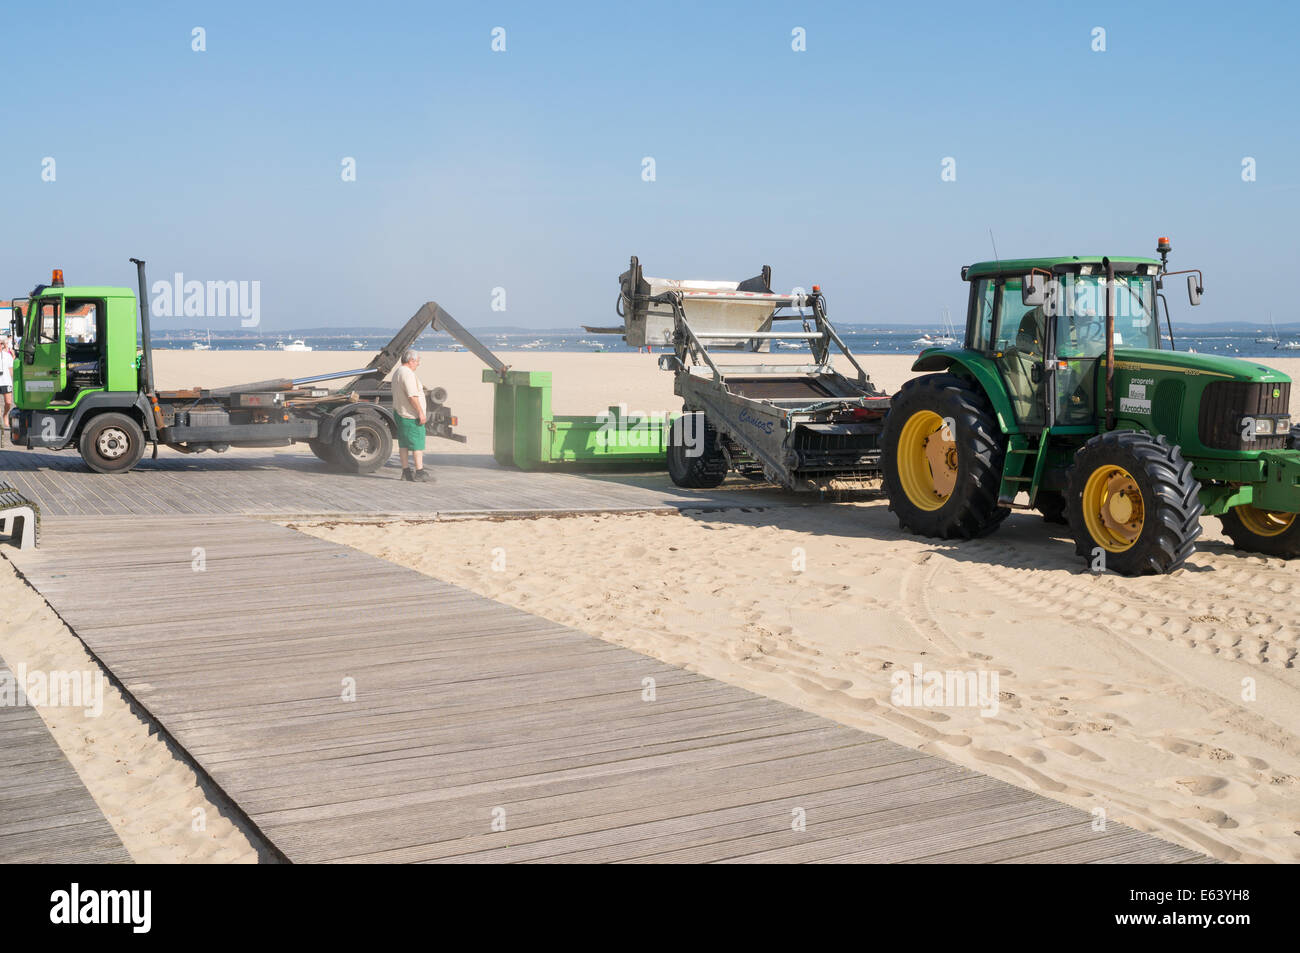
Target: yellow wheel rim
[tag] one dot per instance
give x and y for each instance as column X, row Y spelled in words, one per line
column 1264, row 522
column 1112, row 508
column 927, row 463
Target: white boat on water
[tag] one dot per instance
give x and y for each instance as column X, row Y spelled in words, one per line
column 1287, row 346
column 202, row 346
column 357, row 345
column 297, row 345
column 789, row 346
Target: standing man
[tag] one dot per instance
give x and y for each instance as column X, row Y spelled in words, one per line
column 408, row 406
column 6, row 382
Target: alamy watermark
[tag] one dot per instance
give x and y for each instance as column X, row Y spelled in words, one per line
column 976, row 688
column 53, row 689
column 207, row 299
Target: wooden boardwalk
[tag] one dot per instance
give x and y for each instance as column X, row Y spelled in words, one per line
column 482, row 733
column 46, row 813
column 292, row 482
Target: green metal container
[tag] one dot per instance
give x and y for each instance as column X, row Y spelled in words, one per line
column 527, row 435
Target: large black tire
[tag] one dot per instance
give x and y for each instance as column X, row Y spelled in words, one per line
column 1051, row 503
column 1262, row 531
column 973, row 459
column 111, row 443
column 370, row 446
column 323, row 450
column 691, row 465
column 1133, row 502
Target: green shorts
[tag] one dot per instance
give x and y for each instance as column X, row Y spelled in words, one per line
column 410, row 433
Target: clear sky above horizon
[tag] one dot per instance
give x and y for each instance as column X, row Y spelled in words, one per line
column 523, row 169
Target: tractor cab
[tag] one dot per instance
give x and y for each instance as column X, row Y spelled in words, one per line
column 1042, row 324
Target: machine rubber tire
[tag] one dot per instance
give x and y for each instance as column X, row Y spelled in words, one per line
column 702, row 472
column 111, row 443
column 970, row 508
column 1128, row 467
column 1051, row 503
column 1262, row 531
column 371, row 445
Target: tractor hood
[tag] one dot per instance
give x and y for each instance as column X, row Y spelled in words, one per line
column 1193, row 365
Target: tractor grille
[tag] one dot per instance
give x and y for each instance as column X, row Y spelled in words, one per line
column 1226, row 402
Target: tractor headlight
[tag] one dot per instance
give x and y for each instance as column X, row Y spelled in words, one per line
column 1283, row 426
column 1263, row 426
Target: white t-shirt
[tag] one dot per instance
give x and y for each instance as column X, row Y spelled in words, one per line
column 6, row 369
column 406, row 384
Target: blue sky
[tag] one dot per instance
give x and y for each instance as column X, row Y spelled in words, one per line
column 523, row 169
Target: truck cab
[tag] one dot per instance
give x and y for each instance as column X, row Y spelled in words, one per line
column 75, row 355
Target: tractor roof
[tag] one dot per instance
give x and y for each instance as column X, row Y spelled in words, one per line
column 1021, row 266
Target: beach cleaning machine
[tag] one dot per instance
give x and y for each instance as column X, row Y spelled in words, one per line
column 795, row 421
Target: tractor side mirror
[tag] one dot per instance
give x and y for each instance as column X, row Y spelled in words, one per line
column 1033, row 290
column 1193, row 290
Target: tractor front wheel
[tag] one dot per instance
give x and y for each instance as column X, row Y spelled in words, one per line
column 941, row 458
column 1269, row 532
column 1133, row 504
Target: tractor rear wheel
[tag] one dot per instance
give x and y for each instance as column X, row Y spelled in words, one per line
column 111, row 443
column 696, row 459
column 1133, row 503
column 941, row 458
column 1269, row 532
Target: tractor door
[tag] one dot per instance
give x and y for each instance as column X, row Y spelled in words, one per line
column 1017, row 344
column 42, row 355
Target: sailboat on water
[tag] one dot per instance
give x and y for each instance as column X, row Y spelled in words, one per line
column 945, row 338
column 1271, row 337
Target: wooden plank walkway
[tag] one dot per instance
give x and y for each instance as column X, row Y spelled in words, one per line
column 46, row 814
column 292, row 482
column 469, row 713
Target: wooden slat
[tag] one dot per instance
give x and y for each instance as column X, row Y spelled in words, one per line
column 46, row 814
column 465, row 705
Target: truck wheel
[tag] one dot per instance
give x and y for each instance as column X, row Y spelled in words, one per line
column 1051, row 503
column 370, row 445
column 1262, row 531
column 324, row 450
column 111, row 443
column 1134, row 503
column 695, row 458
column 941, row 459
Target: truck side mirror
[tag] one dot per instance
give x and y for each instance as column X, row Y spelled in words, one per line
column 17, row 321
column 1193, row 290
column 1033, row 290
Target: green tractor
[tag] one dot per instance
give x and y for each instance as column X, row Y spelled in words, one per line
column 1064, row 400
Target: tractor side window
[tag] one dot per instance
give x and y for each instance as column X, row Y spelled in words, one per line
column 982, row 326
column 49, row 321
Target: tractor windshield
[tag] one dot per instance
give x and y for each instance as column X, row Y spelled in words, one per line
column 1081, row 323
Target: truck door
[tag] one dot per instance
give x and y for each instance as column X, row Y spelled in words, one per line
column 43, row 368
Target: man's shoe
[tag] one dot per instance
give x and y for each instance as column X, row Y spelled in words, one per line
column 424, row 476
column 408, row 476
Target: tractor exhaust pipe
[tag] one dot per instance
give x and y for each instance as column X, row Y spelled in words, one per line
column 1110, row 343
column 145, row 331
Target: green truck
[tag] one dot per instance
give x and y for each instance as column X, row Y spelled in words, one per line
column 1067, row 398
column 83, row 379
